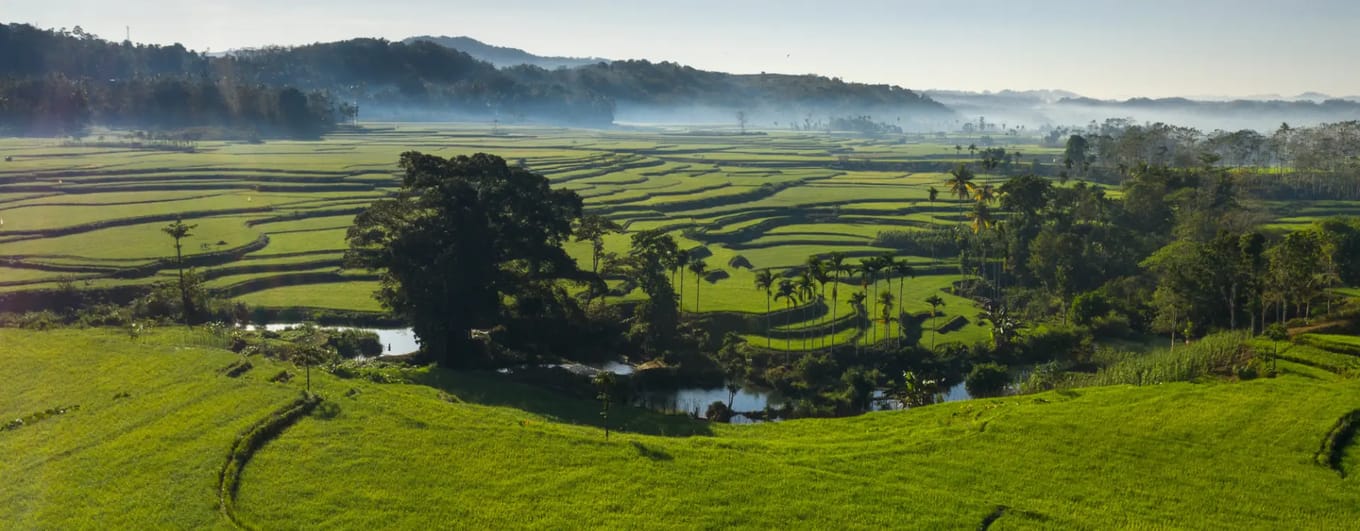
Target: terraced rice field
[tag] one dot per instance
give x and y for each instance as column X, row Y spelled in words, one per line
column 271, row 218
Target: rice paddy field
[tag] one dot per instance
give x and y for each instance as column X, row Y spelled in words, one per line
column 271, row 218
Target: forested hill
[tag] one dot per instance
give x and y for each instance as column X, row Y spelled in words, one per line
column 59, row 81
column 503, row 56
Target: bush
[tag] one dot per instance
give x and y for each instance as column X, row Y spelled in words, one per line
column 718, row 412
column 351, row 343
column 1044, row 377
column 1060, row 343
column 1112, row 324
column 987, row 379
column 42, row 320
column 104, row 315
column 1089, row 306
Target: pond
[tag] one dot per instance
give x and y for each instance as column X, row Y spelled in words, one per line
column 395, row 341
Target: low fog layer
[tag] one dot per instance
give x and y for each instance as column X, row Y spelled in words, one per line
column 1036, row 109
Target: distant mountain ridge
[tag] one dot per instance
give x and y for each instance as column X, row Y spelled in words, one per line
column 504, row 56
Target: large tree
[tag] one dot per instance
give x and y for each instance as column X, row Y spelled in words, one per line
column 179, row 231
column 460, row 237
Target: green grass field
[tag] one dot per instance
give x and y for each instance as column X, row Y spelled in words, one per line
column 155, row 421
column 92, row 213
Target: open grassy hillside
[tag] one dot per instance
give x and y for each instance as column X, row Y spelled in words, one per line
column 156, row 419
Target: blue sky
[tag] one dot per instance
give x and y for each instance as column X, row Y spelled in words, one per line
column 1101, row 48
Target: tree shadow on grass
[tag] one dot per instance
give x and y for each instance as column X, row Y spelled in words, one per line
column 651, row 453
column 493, row 389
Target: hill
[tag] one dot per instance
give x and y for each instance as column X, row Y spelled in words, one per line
column 158, row 415
column 503, row 56
column 416, row 81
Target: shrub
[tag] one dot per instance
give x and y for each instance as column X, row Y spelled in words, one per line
column 351, row 343
column 1112, row 324
column 1044, row 377
column 1088, row 306
column 1061, row 343
column 718, row 412
column 42, row 320
column 987, row 379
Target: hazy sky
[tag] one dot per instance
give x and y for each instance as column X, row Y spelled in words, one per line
column 1101, row 48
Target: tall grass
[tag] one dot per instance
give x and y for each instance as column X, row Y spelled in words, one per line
column 1215, row 353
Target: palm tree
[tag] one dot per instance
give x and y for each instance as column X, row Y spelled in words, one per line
column 867, row 268
column 805, row 291
column 985, row 193
column 765, row 280
column 836, row 265
column 885, row 304
column 981, row 216
column 903, row 270
column 934, row 194
column 856, row 303
column 698, row 267
column 982, row 220
column 972, row 149
column 681, row 260
column 960, row 182
column 958, row 149
column 179, row 231
column 818, row 269
column 885, row 263
column 790, row 296
column 935, row 302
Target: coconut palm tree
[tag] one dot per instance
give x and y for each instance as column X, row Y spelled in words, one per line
column 985, row 193
column 678, row 267
column 764, row 281
column 885, row 305
column 835, row 264
column 806, row 287
column 790, row 295
column 856, row 303
column 819, row 271
column 903, row 270
column 960, row 182
column 981, row 216
column 699, row 268
column 867, row 268
column 935, row 302
column 982, row 220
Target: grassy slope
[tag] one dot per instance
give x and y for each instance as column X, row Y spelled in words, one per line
column 1182, row 455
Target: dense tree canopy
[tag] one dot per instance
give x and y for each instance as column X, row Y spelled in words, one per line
column 461, row 237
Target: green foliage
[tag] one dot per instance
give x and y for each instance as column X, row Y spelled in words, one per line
column 349, row 343
column 461, row 236
column 987, row 379
column 1220, row 353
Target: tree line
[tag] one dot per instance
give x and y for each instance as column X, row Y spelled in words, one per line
column 1318, row 162
column 1180, row 252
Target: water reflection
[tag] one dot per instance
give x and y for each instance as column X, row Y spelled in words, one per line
column 395, row 341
